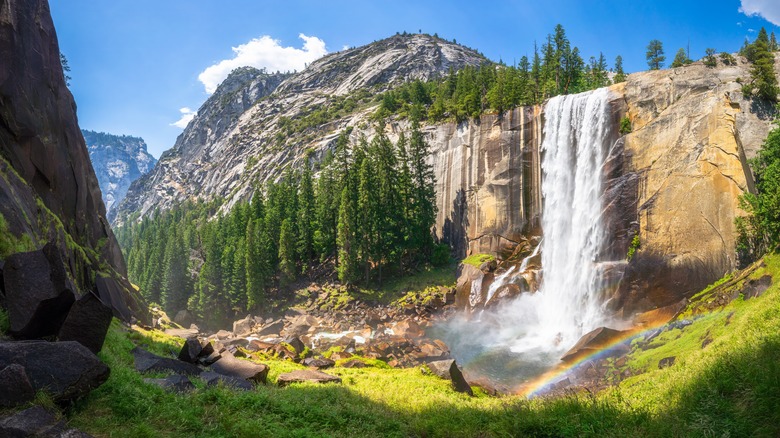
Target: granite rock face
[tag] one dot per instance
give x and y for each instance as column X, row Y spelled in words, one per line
column 118, row 160
column 48, row 189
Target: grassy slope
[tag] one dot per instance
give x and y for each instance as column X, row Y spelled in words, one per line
column 731, row 387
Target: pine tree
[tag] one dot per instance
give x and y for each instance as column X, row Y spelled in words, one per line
column 175, row 288
column 347, row 242
column 655, row 55
column 680, row 59
column 306, row 216
column 620, row 75
column 763, row 82
column 287, row 266
column 709, row 59
column 423, row 214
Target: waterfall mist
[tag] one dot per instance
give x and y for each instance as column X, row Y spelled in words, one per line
column 522, row 338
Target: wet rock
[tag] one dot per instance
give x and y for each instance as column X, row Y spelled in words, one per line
column 591, row 342
column 215, row 379
column 243, row 327
column 38, row 293
column 175, row 383
column 15, row 387
column 66, row 370
column 660, row 315
column 666, row 362
column 87, row 322
column 319, row 363
column 240, row 369
column 37, row 422
column 310, row 376
column 146, row 361
column 448, row 369
column 408, row 329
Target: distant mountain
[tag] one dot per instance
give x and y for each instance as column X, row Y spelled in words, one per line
column 118, row 161
column 257, row 124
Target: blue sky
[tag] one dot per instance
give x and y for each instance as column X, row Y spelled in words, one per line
column 136, row 63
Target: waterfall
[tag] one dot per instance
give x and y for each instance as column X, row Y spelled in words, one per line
column 524, row 337
column 576, row 135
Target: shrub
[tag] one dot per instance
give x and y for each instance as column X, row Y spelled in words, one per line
column 625, row 125
column 441, row 255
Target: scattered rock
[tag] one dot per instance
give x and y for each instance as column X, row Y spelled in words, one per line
column 66, row 370
column 87, row 322
column 592, row 341
column 191, row 350
column 408, row 329
column 320, row 363
column 241, row 369
column 666, row 362
column 756, row 287
column 243, row 327
column 214, row 379
column 210, row 359
column 295, row 343
column 273, row 328
column 181, row 333
column 312, row 376
column 146, row 361
column 174, row 383
column 15, row 387
column 224, row 334
column 38, row 293
column 448, row 369
column 37, row 422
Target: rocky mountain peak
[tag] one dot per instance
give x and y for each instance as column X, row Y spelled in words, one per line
column 398, row 59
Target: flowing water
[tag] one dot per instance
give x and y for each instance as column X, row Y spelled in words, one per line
column 527, row 336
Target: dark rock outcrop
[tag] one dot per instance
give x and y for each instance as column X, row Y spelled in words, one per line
column 37, row 422
column 66, row 370
column 87, row 323
column 592, row 341
column 191, row 350
column 215, row 379
column 448, row 369
column 306, row 376
column 15, row 387
column 39, row 294
column 49, row 191
column 146, row 361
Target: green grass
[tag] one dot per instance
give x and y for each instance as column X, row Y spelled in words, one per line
column 731, row 387
column 10, row 244
column 477, row 260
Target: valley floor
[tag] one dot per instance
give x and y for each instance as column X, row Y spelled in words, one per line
column 725, row 381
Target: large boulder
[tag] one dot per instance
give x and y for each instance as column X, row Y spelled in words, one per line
column 319, row 363
column 148, row 362
column 448, row 369
column 302, row 376
column 66, row 370
column 593, row 341
column 192, row 349
column 240, row 369
column 15, row 387
column 243, row 327
column 184, row 318
column 215, row 379
column 273, row 328
column 37, row 422
column 38, row 293
column 87, row 323
column 123, row 299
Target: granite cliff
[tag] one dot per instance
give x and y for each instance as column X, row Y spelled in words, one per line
column 118, row 161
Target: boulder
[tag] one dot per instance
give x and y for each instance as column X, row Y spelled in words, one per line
column 174, row 383
column 261, row 346
column 593, row 341
column 661, row 315
column 37, row 422
column 125, row 302
column 184, row 318
column 191, row 350
column 15, row 387
column 38, row 293
column 666, row 362
column 295, row 343
column 243, row 327
column 319, row 363
column 209, row 359
column 241, row 369
column 300, row 325
column 223, row 334
column 274, row 328
column 301, row 376
column 448, row 369
column 408, row 329
column 354, row 363
column 87, row 322
column 214, row 379
column 182, row 333
column 66, row 370
column 146, row 361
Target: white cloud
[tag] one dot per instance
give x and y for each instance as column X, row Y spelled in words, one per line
column 264, row 52
column 767, row 9
column 345, row 47
column 186, row 117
